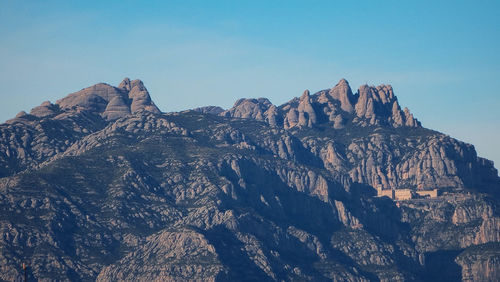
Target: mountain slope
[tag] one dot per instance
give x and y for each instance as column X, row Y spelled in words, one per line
column 116, row 190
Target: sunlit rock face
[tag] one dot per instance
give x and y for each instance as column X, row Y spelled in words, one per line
column 103, row 186
column 111, row 102
column 369, row 106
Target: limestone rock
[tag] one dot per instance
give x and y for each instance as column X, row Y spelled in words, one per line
column 396, row 115
column 45, row 109
column 249, row 108
column 141, row 101
column 342, row 92
column 179, row 256
column 21, row 114
column 94, row 98
column 125, row 84
column 364, row 106
column 116, row 108
column 307, row 115
column 370, row 106
column 338, row 122
column 271, row 115
column 291, row 118
column 129, row 97
column 480, row 264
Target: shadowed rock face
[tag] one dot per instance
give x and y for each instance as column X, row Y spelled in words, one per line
column 214, row 110
column 111, row 102
column 101, row 186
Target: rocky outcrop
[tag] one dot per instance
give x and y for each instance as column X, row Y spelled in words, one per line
column 422, row 160
column 116, row 108
column 304, row 115
column 140, row 99
column 481, row 263
column 177, row 255
column 378, row 105
column 45, row 109
column 370, row 106
column 248, row 108
column 342, row 92
column 28, row 140
column 271, row 116
column 111, row 102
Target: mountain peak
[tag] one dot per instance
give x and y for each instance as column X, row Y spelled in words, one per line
column 342, row 92
column 370, row 106
column 125, row 84
column 249, row 108
column 111, row 102
column 343, row 81
column 137, row 83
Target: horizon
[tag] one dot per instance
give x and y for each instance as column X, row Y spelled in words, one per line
column 191, row 54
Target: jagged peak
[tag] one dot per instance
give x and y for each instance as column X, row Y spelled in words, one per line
column 128, row 84
column 371, row 105
column 125, row 84
column 385, row 86
column 343, row 93
column 342, row 81
column 137, row 83
column 364, row 89
column 132, row 95
column 249, row 108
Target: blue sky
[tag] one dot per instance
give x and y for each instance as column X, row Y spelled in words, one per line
column 441, row 57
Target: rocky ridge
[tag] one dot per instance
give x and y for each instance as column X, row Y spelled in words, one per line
column 370, row 106
column 111, row 102
column 101, row 185
column 49, row 129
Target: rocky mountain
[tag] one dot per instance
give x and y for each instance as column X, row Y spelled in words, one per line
column 103, row 186
column 336, row 106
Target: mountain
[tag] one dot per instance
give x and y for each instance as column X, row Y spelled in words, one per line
column 103, row 186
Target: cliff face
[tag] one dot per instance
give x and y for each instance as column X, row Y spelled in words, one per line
column 101, row 185
column 480, row 263
column 374, row 141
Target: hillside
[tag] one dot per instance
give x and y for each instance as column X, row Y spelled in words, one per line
column 103, row 186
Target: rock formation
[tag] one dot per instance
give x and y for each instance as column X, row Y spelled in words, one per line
column 248, row 108
column 370, row 106
column 342, row 92
column 111, row 102
column 102, row 186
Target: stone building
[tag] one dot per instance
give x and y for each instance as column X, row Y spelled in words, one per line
column 406, row 194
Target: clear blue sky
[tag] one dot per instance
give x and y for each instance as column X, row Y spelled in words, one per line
column 441, row 57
